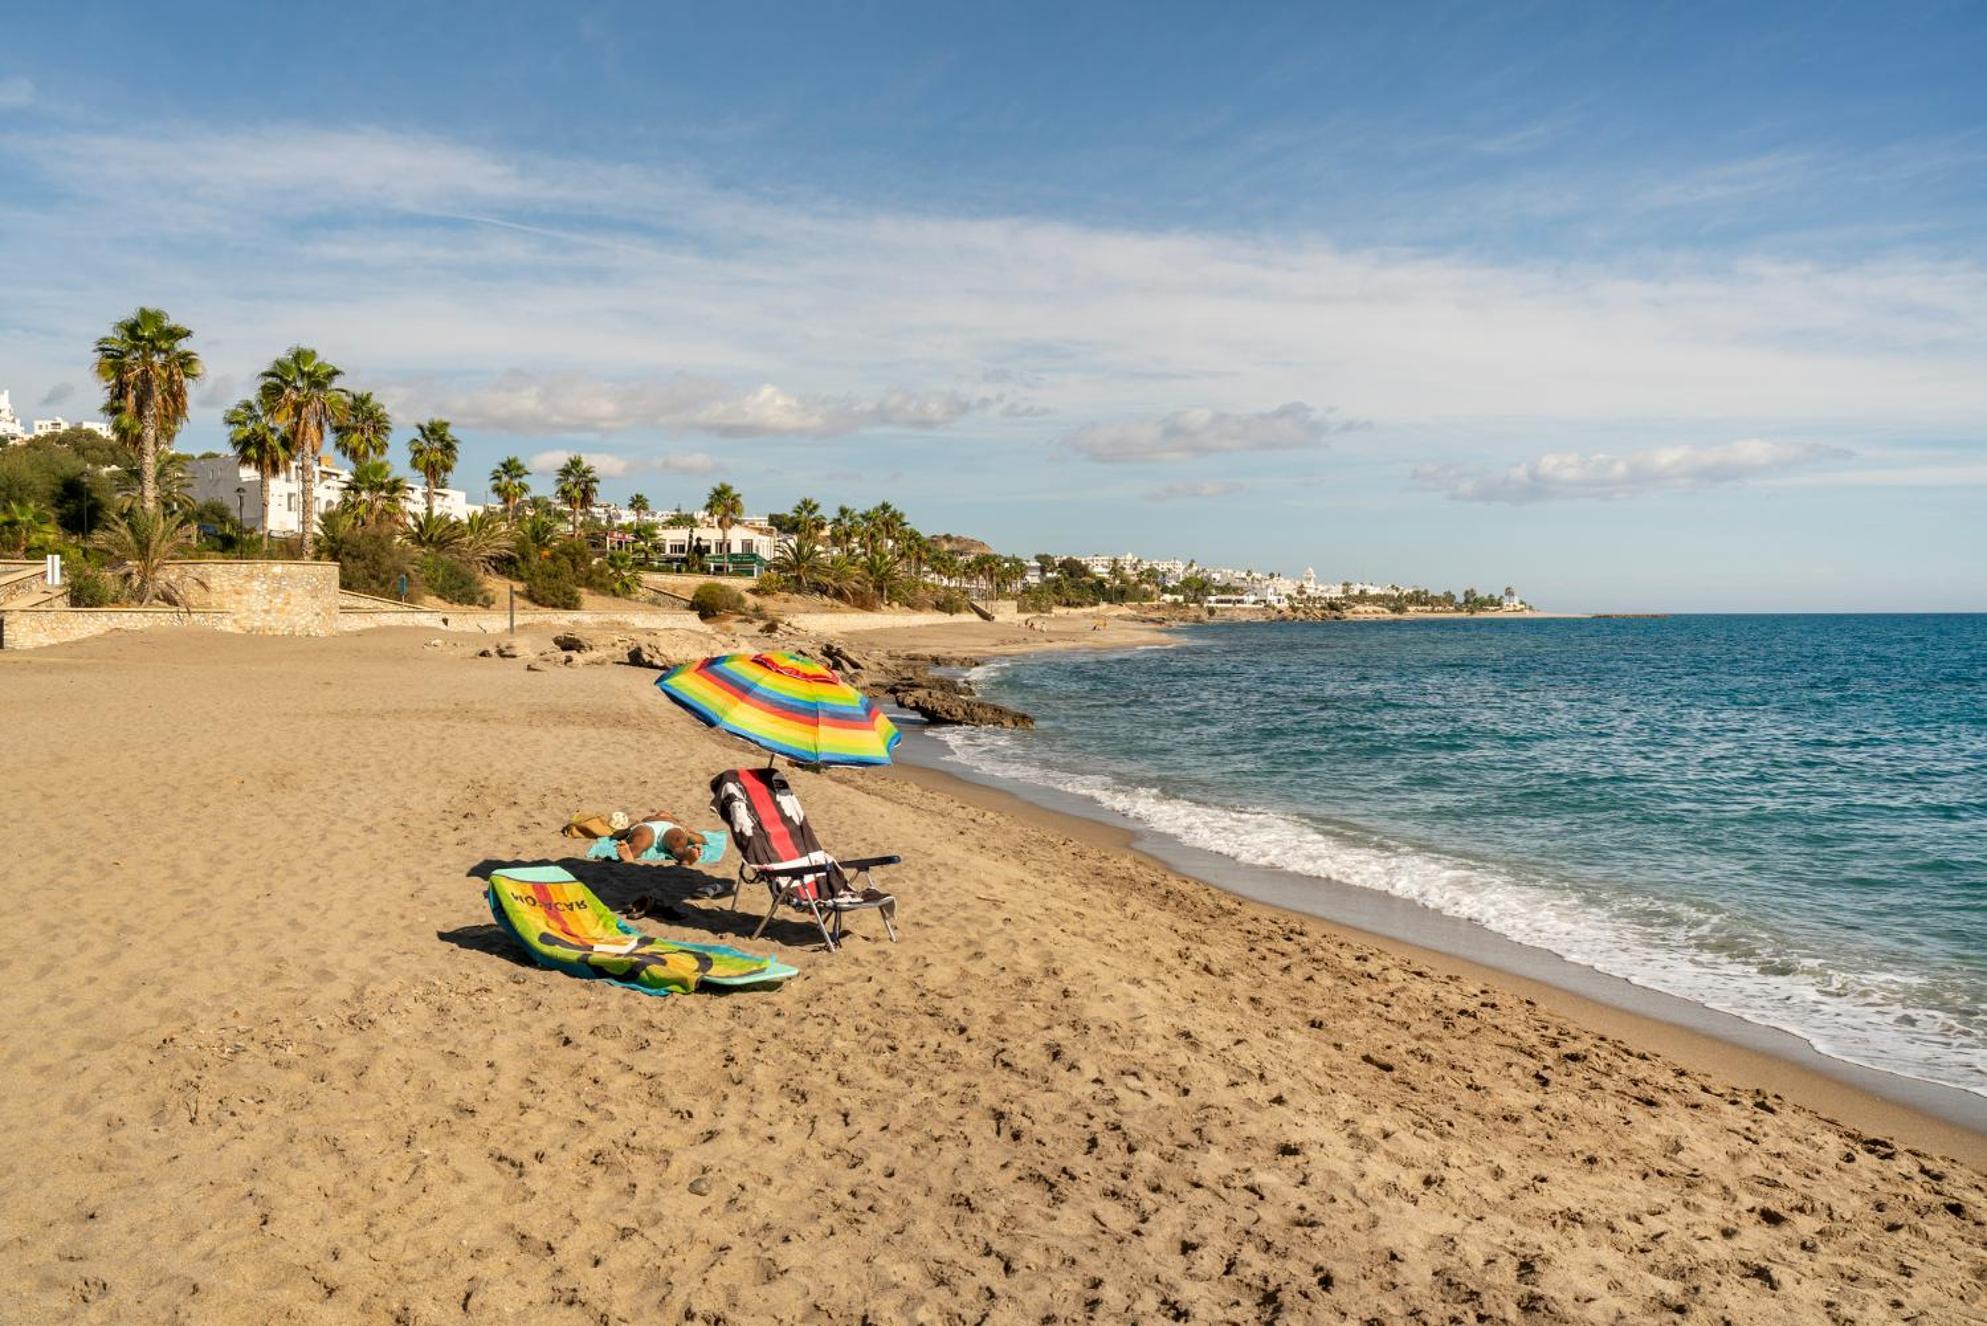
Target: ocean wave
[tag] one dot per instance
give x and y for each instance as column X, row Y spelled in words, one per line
column 1891, row 1021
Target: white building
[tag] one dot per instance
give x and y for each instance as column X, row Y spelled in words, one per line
column 225, row 480
column 10, row 423
column 43, row 427
column 744, row 541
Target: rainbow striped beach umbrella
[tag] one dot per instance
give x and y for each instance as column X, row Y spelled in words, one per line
column 786, row 704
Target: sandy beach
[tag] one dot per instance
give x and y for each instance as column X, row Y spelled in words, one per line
column 278, row 1066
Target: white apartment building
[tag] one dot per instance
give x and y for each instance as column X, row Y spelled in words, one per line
column 744, row 540
column 43, row 427
column 225, row 480
column 10, row 423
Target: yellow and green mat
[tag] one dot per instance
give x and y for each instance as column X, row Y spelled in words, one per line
column 564, row 926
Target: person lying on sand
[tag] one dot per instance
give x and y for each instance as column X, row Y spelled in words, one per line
column 630, row 843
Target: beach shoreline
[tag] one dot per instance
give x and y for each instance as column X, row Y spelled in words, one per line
column 1711, row 1041
column 317, row 1084
column 1832, row 1087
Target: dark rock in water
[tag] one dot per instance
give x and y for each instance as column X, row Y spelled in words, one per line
column 944, row 660
column 924, row 681
column 940, row 707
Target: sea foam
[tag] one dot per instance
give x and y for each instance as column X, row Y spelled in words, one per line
column 1892, row 1021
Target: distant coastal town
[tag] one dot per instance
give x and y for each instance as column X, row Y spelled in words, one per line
column 123, row 506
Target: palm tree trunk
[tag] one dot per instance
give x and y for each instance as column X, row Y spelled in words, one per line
column 148, row 451
column 307, row 476
column 263, row 533
column 431, row 495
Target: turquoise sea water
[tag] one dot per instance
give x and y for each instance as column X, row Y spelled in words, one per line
column 1782, row 817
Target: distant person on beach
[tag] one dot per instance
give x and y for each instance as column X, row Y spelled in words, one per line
column 634, row 841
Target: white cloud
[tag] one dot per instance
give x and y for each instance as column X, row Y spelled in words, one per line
column 1186, row 434
column 529, row 403
column 1569, row 474
column 434, row 262
column 1179, row 492
column 16, row 92
column 611, row 466
column 548, row 462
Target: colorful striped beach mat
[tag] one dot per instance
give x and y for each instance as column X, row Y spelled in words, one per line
column 562, row 925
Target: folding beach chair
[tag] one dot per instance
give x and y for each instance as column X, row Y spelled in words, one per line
column 777, row 847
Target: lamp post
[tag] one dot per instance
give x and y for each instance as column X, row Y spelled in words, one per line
column 241, row 524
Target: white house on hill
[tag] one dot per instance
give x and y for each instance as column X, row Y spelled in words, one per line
column 223, row 479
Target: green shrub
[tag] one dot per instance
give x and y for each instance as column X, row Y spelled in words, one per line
column 373, row 560
column 89, row 587
column 714, row 600
column 951, row 601
column 583, row 569
column 454, row 581
column 548, row 582
column 771, row 582
column 1035, row 599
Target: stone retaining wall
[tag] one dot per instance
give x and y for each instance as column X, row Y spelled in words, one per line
column 251, row 598
column 36, row 628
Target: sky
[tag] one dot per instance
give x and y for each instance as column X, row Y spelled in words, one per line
column 1637, row 308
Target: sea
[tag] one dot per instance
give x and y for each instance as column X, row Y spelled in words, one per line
column 1783, row 818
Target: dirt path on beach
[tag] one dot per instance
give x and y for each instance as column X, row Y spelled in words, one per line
column 266, row 1059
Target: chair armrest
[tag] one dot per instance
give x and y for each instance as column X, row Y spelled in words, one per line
column 869, row 862
column 784, row 872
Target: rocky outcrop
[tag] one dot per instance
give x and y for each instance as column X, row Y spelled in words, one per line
column 938, row 706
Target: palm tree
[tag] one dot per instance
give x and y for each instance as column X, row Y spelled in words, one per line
column 260, row 446
column 366, row 431
column 725, row 508
column 145, row 369
column 843, row 528
column 140, row 544
column 172, row 484
column 300, row 394
column 638, row 506
column 374, row 494
column 432, row 533
column 884, row 571
column 806, row 517
column 943, row 564
column 336, row 526
column 25, row 529
column 801, row 562
column 485, row 541
column 916, row 550
column 578, row 487
column 843, row 575
column 511, row 482
column 433, row 454
column 535, row 534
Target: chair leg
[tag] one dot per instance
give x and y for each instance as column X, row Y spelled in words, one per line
column 889, row 921
column 822, row 925
column 771, row 912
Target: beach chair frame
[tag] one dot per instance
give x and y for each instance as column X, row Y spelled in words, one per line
column 811, row 880
column 787, row 885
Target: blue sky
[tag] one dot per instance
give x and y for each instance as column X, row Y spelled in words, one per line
column 1635, row 308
